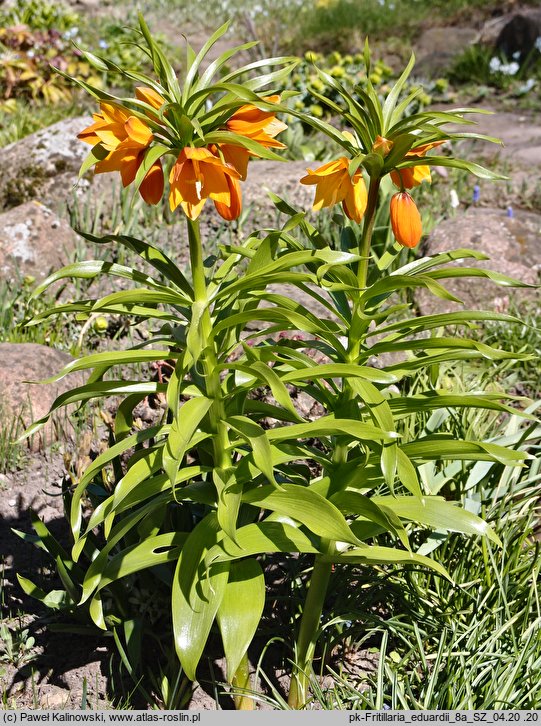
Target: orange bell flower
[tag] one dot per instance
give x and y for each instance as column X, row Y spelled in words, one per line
column 231, row 212
column 405, row 220
column 153, row 98
column 334, row 185
column 150, row 96
column 261, row 126
column 198, row 175
column 108, row 127
column 252, row 122
column 412, row 176
column 126, row 138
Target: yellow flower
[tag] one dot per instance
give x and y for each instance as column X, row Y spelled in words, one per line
column 198, row 175
column 405, row 220
column 412, row 176
column 334, row 185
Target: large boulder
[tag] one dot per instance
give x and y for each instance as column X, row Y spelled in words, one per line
column 43, row 165
column 519, row 37
column 33, row 241
column 22, row 402
column 512, row 245
column 437, row 47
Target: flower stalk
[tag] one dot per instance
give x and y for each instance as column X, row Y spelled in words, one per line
column 309, row 631
column 209, row 356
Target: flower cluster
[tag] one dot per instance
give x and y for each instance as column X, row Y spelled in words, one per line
column 335, row 184
column 199, row 172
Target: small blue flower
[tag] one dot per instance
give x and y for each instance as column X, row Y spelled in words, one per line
column 103, row 44
column 476, row 194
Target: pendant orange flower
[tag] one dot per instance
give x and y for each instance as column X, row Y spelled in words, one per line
column 412, row 176
column 405, row 220
column 198, row 175
column 126, row 138
column 334, row 185
column 153, row 98
column 255, row 124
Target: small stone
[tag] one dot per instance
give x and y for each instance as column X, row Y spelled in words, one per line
column 55, row 697
column 12, row 502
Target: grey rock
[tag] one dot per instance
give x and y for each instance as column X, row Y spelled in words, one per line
column 512, row 245
column 491, row 29
column 33, row 241
column 437, row 47
column 23, row 402
column 43, row 165
column 518, row 36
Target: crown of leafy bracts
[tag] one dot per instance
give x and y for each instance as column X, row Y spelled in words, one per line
column 383, row 139
column 168, row 115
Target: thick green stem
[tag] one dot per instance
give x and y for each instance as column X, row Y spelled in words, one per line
column 308, row 632
column 368, row 229
column 209, row 357
column 196, row 262
column 213, row 390
column 354, row 339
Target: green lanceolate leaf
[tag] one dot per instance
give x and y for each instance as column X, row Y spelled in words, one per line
column 389, row 117
column 197, row 593
column 434, row 400
column 258, row 441
column 255, row 539
column 436, row 512
column 338, row 370
column 307, row 507
column 381, row 289
column 55, row 600
column 381, row 414
column 182, row 430
column 99, row 463
column 443, row 447
column 151, row 552
column 97, row 153
column 191, row 73
column 229, row 490
column 469, row 166
column 260, row 371
column 109, row 359
column 127, row 524
column 94, row 390
column 162, row 67
column 88, row 269
column 356, row 503
column 374, row 555
column 155, row 257
column 330, row 426
column 429, row 322
column 240, row 611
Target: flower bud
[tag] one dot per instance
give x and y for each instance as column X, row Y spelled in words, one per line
column 405, row 220
column 382, row 145
column 100, row 324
